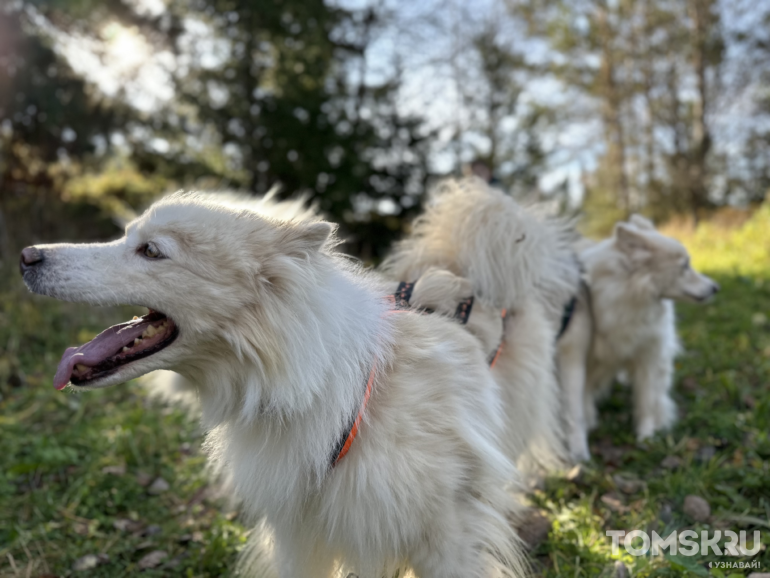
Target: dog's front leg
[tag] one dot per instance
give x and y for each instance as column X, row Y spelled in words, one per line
column 654, row 410
column 572, row 376
column 298, row 555
column 571, row 359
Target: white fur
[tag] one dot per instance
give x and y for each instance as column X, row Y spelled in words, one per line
column 278, row 335
column 634, row 276
column 515, row 258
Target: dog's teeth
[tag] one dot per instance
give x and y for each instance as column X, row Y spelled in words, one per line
column 137, row 341
column 126, row 349
column 80, row 367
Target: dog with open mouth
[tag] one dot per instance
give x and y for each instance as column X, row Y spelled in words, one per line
column 365, row 437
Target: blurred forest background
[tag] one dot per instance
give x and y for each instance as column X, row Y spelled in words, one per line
column 603, row 106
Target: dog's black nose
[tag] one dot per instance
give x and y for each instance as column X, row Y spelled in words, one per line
column 30, row 256
column 715, row 288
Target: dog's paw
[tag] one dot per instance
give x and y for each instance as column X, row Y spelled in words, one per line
column 578, row 448
column 646, row 429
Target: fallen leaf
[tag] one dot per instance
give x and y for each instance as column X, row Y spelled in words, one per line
column 614, row 503
column 143, row 478
column 575, row 475
column 118, row 470
column 152, row 560
column 87, row 562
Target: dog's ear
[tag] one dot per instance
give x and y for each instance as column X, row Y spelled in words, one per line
column 307, row 238
column 641, row 222
column 631, row 241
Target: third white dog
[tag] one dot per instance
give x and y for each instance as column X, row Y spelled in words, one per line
column 634, row 276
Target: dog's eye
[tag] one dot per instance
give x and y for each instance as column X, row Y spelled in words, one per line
column 151, row 251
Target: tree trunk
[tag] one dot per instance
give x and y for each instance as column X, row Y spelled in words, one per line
column 611, row 113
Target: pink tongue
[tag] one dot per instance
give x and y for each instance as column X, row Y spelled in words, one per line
column 104, row 345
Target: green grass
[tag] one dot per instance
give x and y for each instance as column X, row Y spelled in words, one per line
column 58, row 503
column 63, row 494
column 723, row 391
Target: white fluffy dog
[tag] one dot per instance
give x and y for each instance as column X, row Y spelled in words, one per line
column 633, row 278
column 367, row 438
column 516, row 259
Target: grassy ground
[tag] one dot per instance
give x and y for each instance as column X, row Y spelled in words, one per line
column 115, row 483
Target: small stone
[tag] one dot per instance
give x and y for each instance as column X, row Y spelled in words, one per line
column 158, row 486
column 759, row 319
column 151, row 530
column 671, row 462
column 697, row 508
column 87, row 562
column 152, row 560
column 126, row 525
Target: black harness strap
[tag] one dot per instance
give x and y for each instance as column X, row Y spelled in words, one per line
column 341, row 441
column 569, row 311
column 464, row 310
column 404, row 294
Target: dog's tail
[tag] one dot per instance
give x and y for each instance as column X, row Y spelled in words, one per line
column 506, row 249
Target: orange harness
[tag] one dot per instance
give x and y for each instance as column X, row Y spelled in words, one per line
column 343, row 445
column 401, row 303
column 342, row 449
